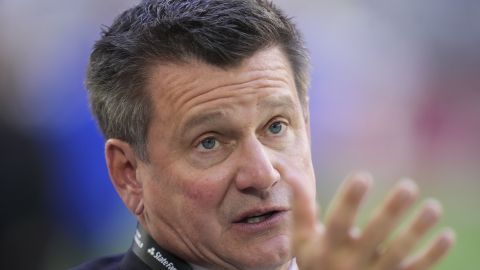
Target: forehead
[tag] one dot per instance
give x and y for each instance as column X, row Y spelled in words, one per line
column 178, row 90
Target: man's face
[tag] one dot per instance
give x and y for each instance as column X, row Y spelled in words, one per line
column 220, row 144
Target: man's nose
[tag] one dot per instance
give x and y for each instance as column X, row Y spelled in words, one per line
column 256, row 170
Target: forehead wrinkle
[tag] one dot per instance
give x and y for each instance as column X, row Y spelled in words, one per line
column 203, row 73
column 183, row 92
column 172, row 81
column 284, row 102
column 243, row 88
column 241, row 93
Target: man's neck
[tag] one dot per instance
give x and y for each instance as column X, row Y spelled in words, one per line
column 145, row 247
column 290, row 266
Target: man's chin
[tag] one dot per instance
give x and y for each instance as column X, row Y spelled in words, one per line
column 272, row 253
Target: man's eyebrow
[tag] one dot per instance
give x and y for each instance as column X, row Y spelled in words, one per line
column 283, row 102
column 203, row 119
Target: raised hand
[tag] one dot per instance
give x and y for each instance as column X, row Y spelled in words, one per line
column 338, row 245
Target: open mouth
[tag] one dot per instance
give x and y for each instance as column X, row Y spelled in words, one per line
column 261, row 220
column 257, row 218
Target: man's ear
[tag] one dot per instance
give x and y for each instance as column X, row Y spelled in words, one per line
column 122, row 166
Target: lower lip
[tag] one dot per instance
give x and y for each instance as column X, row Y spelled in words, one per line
column 269, row 223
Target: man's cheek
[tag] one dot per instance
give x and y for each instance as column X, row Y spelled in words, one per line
column 299, row 154
column 203, row 192
column 296, row 162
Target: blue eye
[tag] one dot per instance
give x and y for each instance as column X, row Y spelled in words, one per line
column 276, row 127
column 209, row 143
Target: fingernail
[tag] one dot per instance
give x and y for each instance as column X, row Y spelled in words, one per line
column 361, row 182
column 408, row 190
column 432, row 211
column 448, row 237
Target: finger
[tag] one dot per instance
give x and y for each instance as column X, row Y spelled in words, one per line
column 304, row 210
column 345, row 206
column 404, row 243
column 436, row 251
column 386, row 216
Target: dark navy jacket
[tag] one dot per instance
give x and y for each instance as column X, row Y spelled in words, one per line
column 126, row 261
column 144, row 254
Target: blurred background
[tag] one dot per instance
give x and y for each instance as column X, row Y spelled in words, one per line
column 395, row 90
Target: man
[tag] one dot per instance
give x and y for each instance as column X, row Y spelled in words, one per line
column 204, row 107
